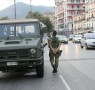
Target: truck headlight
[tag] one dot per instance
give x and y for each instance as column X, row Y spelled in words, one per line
column 33, row 51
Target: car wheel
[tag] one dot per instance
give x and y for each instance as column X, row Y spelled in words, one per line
column 81, row 46
column 86, row 46
column 40, row 70
column 66, row 42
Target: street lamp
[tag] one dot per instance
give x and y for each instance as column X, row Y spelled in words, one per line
column 15, row 8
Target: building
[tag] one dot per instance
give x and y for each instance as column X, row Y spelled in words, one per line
column 71, row 8
column 59, row 16
column 90, row 15
column 64, row 12
column 88, row 19
column 79, row 23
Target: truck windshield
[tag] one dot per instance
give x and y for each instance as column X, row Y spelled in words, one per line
column 16, row 29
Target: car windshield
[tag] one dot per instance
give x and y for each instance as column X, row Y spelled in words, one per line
column 71, row 36
column 78, row 36
column 63, row 37
column 18, row 29
column 90, row 36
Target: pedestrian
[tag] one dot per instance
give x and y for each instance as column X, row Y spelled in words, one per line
column 54, row 53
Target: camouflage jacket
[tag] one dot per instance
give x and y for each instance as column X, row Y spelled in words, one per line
column 54, row 42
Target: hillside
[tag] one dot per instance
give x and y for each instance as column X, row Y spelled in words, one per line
column 22, row 9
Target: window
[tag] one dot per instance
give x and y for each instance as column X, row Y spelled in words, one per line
column 77, row 6
column 72, row 0
column 72, row 6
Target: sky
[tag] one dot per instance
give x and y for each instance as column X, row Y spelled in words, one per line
column 5, row 3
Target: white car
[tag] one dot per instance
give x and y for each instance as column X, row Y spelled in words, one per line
column 88, row 41
column 71, row 37
column 77, row 38
column 63, row 39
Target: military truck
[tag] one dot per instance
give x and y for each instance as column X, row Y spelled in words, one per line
column 21, row 46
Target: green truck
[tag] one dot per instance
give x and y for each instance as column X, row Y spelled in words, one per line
column 21, row 46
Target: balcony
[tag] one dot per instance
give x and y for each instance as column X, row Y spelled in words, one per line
column 70, row 14
column 60, row 23
column 75, row 3
column 88, row 28
column 70, row 20
column 60, row 18
column 75, row 8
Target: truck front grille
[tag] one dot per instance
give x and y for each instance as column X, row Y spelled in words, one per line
column 15, row 54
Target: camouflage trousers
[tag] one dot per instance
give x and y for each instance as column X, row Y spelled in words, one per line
column 54, row 59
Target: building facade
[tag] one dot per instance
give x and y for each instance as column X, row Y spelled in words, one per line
column 59, row 15
column 90, row 15
column 64, row 12
column 79, row 23
column 86, row 19
column 72, row 8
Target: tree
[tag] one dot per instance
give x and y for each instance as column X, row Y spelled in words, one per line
column 4, row 18
column 49, row 24
column 41, row 18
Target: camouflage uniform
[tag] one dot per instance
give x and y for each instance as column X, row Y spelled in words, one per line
column 54, row 58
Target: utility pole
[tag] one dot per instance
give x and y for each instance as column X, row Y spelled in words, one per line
column 30, row 6
column 15, row 8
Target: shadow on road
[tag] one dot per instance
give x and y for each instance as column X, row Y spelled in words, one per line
column 17, row 76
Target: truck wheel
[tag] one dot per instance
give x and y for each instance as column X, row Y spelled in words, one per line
column 40, row 70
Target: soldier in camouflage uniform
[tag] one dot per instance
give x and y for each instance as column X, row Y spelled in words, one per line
column 54, row 44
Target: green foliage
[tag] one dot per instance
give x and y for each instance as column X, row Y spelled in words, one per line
column 42, row 19
column 48, row 23
column 4, row 18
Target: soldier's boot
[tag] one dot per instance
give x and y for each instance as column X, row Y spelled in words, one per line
column 54, row 69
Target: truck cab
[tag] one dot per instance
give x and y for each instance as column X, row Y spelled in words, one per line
column 21, row 46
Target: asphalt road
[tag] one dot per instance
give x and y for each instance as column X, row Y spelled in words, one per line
column 76, row 72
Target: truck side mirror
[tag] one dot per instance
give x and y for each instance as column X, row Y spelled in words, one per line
column 43, row 27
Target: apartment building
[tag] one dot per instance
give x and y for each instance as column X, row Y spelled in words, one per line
column 79, row 23
column 71, row 8
column 90, row 15
column 59, row 15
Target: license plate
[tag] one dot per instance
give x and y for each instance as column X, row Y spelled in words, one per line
column 11, row 63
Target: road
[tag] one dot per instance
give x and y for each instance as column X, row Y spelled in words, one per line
column 76, row 72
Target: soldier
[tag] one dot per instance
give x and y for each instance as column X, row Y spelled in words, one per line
column 54, row 45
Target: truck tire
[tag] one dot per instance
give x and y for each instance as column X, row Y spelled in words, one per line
column 40, row 70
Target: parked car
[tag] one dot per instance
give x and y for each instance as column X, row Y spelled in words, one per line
column 63, row 39
column 71, row 37
column 77, row 38
column 88, row 41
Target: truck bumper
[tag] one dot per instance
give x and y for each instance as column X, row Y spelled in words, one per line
column 19, row 64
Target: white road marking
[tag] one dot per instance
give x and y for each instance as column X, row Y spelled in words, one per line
column 67, row 86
